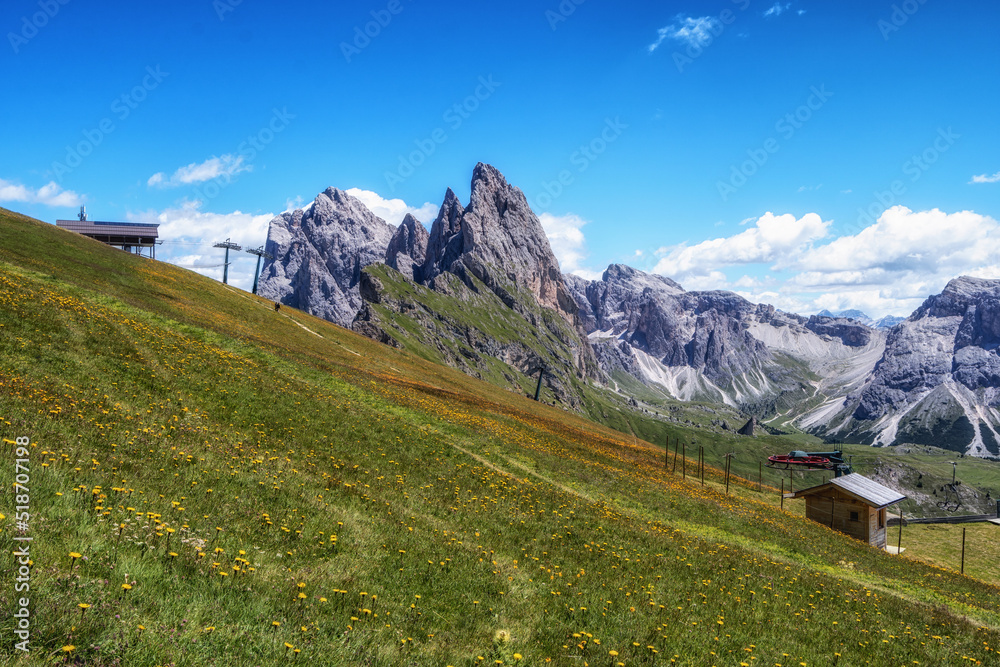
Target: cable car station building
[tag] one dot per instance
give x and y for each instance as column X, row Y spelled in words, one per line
column 128, row 236
column 853, row 505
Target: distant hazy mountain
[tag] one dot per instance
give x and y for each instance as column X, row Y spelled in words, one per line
column 887, row 322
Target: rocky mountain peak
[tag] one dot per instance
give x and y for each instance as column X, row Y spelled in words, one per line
column 445, row 242
column 498, row 240
column 319, row 253
column 957, row 296
column 939, row 379
column 408, row 248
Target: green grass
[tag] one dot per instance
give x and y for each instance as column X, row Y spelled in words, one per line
column 941, row 545
column 384, row 510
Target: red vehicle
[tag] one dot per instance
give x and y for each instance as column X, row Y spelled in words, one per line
column 810, row 461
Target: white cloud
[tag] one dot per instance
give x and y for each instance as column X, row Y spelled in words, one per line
column 691, row 31
column 984, row 178
column 772, row 239
column 903, row 241
column 394, row 210
column 214, row 167
column 189, row 232
column 891, row 266
column 49, row 194
column 568, row 243
column 777, row 9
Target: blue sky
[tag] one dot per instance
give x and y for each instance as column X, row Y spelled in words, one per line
column 806, row 154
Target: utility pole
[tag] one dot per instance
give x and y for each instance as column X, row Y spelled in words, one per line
column 261, row 254
column 228, row 246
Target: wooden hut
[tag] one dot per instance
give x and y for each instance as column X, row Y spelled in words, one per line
column 853, row 505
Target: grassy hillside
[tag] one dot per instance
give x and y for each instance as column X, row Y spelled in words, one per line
column 227, row 485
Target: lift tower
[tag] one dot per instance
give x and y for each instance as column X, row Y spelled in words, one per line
column 228, row 246
column 261, row 254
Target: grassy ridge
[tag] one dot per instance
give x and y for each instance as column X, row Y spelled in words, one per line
column 274, row 488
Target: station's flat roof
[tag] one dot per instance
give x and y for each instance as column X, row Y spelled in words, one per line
column 101, row 228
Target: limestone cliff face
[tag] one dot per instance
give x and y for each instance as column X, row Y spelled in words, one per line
column 938, row 382
column 717, row 346
column 483, row 285
column 702, row 331
column 493, row 260
column 498, row 240
column 408, row 248
column 318, row 255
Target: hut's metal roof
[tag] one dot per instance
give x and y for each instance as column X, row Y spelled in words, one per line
column 859, row 486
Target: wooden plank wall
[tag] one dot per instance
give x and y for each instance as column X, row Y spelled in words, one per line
column 833, row 508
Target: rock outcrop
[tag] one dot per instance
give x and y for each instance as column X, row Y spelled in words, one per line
column 498, row 240
column 938, row 382
column 851, row 331
column 507, row 298
column 318, row 253
column 408, row 248
column 717, row 346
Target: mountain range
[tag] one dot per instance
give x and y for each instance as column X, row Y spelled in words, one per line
column 482, row 291
column 886, row 322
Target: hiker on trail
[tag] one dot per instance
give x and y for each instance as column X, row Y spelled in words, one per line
column 277, row 306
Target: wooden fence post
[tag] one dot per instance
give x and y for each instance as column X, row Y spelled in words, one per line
column 963, row 550
column 701, row 463
column 729, row 459
column 677, row 444
column 782, row 493
column 899, row 540
column 684, row 456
